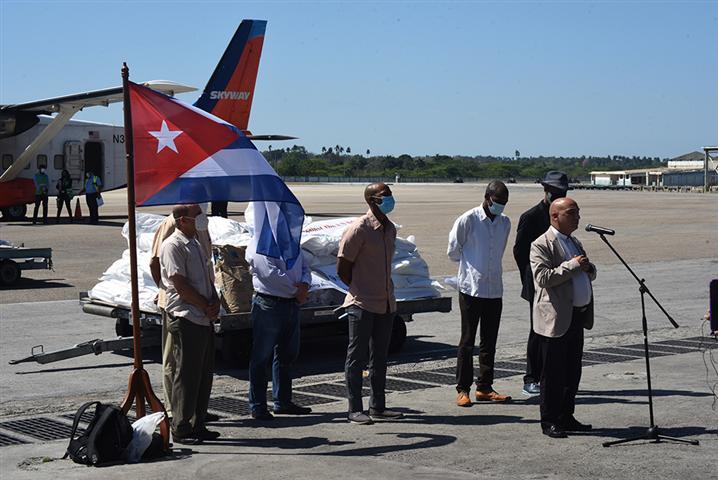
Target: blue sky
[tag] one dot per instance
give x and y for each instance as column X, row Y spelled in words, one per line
column 457, row 78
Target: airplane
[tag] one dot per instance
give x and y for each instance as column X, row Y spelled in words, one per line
column 27, row 131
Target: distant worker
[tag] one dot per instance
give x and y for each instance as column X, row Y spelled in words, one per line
column 364, row 264
column 278, row 293
column 219, row 209
column 477, row 242
column 563, row 307
column 166, row 229
column 92, row 191
column 192, row 306
column 533, row 223
column 64, row 194
column 41, row 189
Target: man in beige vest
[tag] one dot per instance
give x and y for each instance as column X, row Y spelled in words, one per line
column 563, row 307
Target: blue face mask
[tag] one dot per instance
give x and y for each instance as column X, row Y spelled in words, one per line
column 386, row 205
column 496, row 208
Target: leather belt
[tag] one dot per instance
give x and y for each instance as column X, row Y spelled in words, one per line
column 273, row 297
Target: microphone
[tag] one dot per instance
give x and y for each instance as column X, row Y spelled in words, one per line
column 600, row 230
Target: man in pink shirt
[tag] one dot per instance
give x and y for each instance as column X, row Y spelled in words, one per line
column 364, row 264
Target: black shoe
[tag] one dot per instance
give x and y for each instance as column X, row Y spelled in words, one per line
column 262, row 416
column 205, row 434
column 292, row 408
column 570, row 424
column 553, row 431
column 188, row 440
column 211, row 417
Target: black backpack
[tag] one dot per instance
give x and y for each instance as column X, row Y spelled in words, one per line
column 105, row 439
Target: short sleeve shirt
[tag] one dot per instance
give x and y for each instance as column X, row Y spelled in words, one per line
column 166, row 229
column 369, row 245
column 184, row 256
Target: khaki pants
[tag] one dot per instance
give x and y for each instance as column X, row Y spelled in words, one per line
column 168, row 363
column 192, row 382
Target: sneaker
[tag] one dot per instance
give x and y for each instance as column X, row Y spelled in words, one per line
column 463, row 400
column 359, row 418
column 492, row 396
column 292, row 408
column 531, row 389
column 386, row 414
column 211, row 417
column 262, row 415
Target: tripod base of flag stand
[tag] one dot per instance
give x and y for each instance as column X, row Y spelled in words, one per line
column 140, row 390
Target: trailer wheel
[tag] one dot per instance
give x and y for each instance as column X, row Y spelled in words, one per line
column 9, row 272
column 14, row 212
column 398, row 335
column 123, row 327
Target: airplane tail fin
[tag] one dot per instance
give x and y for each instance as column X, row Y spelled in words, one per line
column 230, row 90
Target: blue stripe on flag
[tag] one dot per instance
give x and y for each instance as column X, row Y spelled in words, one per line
column 240, row 188
column 258, row 188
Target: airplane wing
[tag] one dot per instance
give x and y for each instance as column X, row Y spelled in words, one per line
column 65, row 107
column 103, row 97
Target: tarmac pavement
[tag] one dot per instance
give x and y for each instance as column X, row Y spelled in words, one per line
column 672, row 250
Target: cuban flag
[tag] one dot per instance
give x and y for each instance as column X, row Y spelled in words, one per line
column 186, row 155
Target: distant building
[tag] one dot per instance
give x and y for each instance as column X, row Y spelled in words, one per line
column 684, row 170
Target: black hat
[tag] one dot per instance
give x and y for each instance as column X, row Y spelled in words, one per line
column 555, row 179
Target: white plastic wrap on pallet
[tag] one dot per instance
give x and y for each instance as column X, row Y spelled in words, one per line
column 320, row 243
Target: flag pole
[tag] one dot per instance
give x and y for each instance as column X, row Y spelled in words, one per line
column 139, row 387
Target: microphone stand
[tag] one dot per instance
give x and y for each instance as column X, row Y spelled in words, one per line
column 652, row 432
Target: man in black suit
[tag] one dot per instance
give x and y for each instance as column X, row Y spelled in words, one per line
column 532, row 224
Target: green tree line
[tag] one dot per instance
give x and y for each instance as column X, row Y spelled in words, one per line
column 339, row 161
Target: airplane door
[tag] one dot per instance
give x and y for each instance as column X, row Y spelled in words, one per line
column 74, row 161
column 94, row 159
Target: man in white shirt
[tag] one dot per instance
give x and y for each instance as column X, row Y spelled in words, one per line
column 279, row 290
column 477, row 242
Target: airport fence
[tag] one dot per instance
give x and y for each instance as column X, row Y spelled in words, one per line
column 385, row 179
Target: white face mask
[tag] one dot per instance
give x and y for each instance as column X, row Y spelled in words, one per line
column 201, row 222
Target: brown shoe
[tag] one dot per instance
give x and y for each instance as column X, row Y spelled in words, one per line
column 463, row 400
column 492, row 396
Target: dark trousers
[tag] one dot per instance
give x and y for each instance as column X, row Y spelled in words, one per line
column 40, row 199
column 475, row 312
column 561, row 358
column 192, row 384
column 63, row 200
column 219, row 209
column 91, row 199
column 369, row 336
column 275, row 340
column 533, row 352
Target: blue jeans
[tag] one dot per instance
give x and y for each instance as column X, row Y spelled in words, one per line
column 275, row 338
